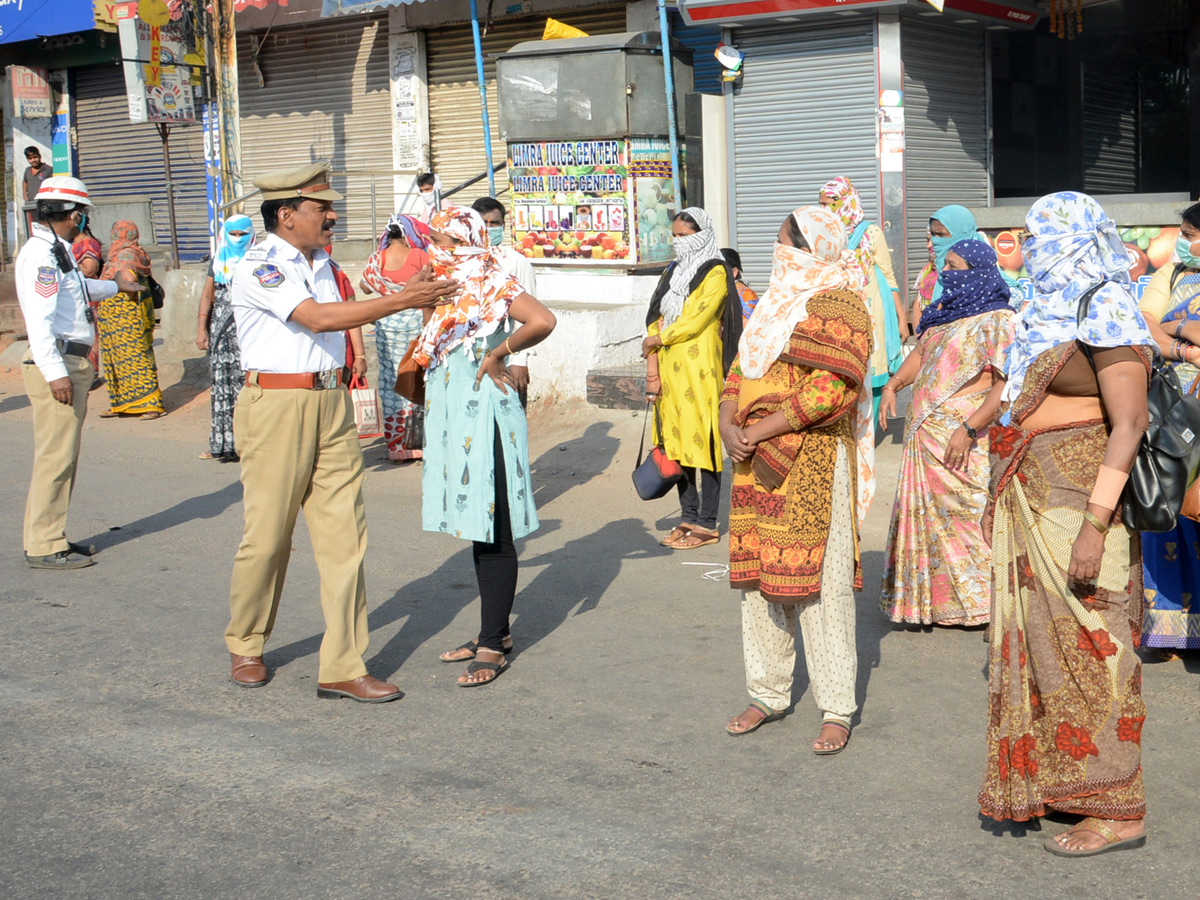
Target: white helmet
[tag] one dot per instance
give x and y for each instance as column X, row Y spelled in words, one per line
column 64, row 189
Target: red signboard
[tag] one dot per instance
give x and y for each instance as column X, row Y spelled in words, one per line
column 708, row 12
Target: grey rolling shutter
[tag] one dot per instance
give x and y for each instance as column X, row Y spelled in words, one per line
column 946, row 129
column 1110, row 147
column 325, row 96
column 455, row 117
column 120, row 158
column 803, row 114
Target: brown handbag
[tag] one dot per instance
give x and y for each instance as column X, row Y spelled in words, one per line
column 410, row 377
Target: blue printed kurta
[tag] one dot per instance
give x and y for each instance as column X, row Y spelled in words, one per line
column 458, row 478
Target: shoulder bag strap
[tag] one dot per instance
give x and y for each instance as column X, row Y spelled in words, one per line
column 1085, row 300
column 642, row 444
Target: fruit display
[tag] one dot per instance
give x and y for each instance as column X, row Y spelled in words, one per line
column 573, row 245
column 1151, row 247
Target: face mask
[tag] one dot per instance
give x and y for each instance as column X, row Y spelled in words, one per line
column 495, row 235
column 83, row 221
column 427, row 198
column 1183, row 247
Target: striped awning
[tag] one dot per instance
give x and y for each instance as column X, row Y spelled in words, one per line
column 345, row 7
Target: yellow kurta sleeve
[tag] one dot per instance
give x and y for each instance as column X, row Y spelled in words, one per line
column 883, row 256
column 1156, row 298
column 702, row 307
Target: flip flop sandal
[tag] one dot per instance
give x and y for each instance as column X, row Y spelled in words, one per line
column 1112, row 840
column 472, row 646
column 678, row 533
column 703, row 539
column 207, row 455
column 499, row 668
column 109, row 414
column 832, row 751
column 766, row 717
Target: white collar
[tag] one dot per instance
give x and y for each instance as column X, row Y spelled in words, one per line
column 274, row 244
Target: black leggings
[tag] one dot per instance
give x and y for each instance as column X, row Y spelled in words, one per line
column 699, row 503
column 496, row 564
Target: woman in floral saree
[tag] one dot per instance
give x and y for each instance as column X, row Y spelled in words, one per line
column 1064, row 688
column 938, row 568
column 127, row 332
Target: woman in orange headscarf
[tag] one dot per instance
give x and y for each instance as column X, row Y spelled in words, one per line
column 127, row 331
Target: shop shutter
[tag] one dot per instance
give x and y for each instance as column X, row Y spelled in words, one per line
column 1110, row 103
column 945, row 120
column 120, row 158
column 455, row 118
column 804, row 113
column 706, row 71
column 324, row 96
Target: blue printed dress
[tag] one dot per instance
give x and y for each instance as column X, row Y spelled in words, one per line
column 458, row 479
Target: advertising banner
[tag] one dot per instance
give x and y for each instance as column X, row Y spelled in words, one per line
column 159, row 88
column 31, row 93
column 654, row 197
column 570, row 200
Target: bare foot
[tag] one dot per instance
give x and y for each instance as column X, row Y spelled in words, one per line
column 1084, row 836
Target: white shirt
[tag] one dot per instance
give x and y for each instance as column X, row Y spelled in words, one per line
column 269, row 282
column 519, row 267
column 54, row 302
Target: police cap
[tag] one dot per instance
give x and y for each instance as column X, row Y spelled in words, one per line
column 309, row 183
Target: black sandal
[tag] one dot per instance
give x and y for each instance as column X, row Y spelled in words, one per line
column 498, row 667
column 472, row 646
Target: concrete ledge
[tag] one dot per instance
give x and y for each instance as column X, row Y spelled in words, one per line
column 619, row 387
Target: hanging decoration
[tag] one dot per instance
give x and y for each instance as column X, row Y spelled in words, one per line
column 1066, row 18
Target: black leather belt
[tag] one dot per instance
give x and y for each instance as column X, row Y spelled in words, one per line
column 73, row 348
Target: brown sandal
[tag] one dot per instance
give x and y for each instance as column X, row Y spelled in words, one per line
column 678, row 533
column 697, row 537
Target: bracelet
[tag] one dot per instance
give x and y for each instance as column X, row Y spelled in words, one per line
column 1179, row 327
column 508, row 347
column 1092, row 520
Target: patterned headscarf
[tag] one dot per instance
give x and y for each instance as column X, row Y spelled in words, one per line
column 848, row 205
column 1073, row 245
column 231, row 249
column 487, row 291
column 961, row 225
column 796, row 275
column 415, row 234
column 691, row 252
column 124, row 251
column 968, row 293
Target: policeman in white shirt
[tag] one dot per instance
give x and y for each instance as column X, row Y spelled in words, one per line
column 295, row 431
column 519, row 267
column 53, row 294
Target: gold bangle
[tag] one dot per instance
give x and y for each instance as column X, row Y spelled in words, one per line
column 1091, row 519
column 508, row 347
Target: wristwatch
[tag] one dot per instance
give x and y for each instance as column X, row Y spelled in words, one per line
column 971, row 432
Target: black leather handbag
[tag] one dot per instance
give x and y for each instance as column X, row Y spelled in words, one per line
column 654, row 477
column 1168, row 459
column 157, row 295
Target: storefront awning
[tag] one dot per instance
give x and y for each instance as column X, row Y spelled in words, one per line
column 243, row 5
column 28, row 20
column 1018, row 13
column 343, row 7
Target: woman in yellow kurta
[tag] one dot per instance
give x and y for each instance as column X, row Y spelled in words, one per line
column 693, row 330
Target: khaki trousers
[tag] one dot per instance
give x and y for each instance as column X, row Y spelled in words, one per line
column 56, row 430
column 826, row 625
column 300, row 448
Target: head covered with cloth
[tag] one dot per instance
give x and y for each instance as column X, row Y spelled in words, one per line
column 125, row 253
column 459, row 250
column 968, row 292
column 1073, row 245
column 847, row 204
column 960, row 224
column 237, row 236
column 408, row 231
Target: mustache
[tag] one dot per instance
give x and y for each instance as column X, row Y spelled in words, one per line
column 328, row 225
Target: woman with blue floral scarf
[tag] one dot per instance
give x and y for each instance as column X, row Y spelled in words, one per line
column 1064, row 684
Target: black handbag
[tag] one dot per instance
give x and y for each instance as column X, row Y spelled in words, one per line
column 1168, row 458
column 655, row 477
column 157, row 294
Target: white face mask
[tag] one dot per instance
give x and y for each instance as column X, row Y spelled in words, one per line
column 427, row 198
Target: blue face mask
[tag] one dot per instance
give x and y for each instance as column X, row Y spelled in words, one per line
column 495, row 235
column 82, row 221
column 1183, row 247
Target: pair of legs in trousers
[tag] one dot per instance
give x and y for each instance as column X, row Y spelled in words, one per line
column 56, row 431
column 826, row 627
column 300, row 448
column 496, row 575
column 699, row 497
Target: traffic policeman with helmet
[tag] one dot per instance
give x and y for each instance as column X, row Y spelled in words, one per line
column 53, row 295
column 295, row 431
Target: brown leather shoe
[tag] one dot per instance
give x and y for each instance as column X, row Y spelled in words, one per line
column 248, row 671
column 364, row 689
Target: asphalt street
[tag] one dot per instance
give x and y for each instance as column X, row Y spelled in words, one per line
column 597, row 766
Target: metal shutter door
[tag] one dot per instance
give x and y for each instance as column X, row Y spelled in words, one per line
column 706, row 71
column 325, row 97
column 455, row 117
column 804, row 113
column 1110, row 149
column 946, row 129
column 119, row 158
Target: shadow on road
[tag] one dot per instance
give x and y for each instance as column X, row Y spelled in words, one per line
column 573, row 463
column 205, row 506
column 13, row 403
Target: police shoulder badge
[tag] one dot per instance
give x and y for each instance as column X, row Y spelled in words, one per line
column 268, row 275
column 46, row 283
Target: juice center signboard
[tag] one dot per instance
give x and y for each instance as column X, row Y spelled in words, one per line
column 570, row 200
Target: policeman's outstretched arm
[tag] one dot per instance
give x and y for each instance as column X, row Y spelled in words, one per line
column 320, row 317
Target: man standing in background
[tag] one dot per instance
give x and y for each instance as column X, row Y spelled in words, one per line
column 37, row 172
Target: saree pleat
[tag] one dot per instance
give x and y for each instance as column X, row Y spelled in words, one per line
column 126, row 340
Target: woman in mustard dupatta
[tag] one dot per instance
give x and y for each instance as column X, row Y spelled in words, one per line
column 1064, row 684
column 127, row 332
column 795, row 417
